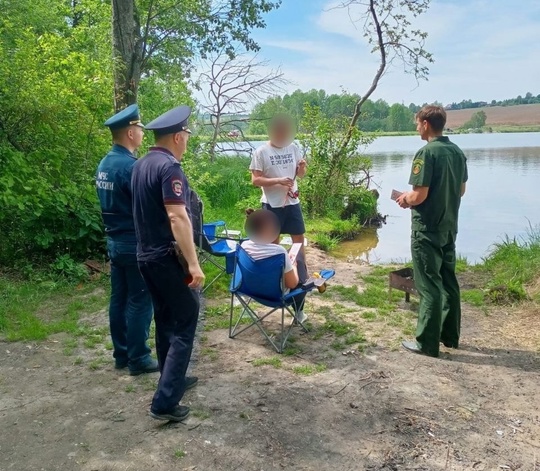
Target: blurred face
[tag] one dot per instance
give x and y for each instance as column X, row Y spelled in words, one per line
column 281, row 134
column 267, row 231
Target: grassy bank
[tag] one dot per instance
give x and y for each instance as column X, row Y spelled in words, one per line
column 510, row 128
column 31, row 310
column 34, row 310
column 514, row 267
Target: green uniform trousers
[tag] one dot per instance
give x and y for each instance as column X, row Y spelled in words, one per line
column 434, row 263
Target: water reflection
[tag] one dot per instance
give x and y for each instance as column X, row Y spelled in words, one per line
column 361, row 249
column 500, row 198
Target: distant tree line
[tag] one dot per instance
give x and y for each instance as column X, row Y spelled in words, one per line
column 528, row 99
column 376, row 115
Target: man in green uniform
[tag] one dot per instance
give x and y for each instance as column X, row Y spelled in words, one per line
column 438, row 178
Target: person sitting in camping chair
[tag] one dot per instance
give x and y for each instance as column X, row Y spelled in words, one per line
column 263, row 229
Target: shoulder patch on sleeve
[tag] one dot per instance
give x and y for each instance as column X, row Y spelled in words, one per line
column 177, row 187
column 417, row 166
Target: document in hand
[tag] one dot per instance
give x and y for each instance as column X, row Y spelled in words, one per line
column 395, row 194
column 293, row 253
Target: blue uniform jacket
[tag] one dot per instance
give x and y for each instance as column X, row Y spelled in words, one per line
column 158, row 180
column 113, row 183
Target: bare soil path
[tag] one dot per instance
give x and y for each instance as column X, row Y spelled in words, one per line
column 321, row 407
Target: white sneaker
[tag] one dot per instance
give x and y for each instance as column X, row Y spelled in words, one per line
column 301, row 317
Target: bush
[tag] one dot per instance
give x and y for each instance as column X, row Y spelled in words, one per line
column 335, row 175
column 65, row 267
column 361, row 204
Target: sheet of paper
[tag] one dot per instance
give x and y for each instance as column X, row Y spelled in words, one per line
column 395, row 194
column 293, row 253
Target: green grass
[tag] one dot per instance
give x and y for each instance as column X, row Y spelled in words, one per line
column 325, row 242
column 346, row 333
column 369, row 315
column 70, row 345
column 291, row 350
column 130, row 388
column 273, row 361
column 217, row 317
column 513, row 264
column 509, row 128
column 307, row 370
column 338, row 327
column 33, row 311
column 98, row 363
column 201, row 414
column 178, row 454
column 355, row 338
column 373, row 295
column 475, row 297
column 210, row 353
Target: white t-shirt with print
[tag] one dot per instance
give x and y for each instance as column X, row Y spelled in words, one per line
column 262, row 251
column 277, row 162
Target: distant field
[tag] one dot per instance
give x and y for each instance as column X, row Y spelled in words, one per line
column 518, row 115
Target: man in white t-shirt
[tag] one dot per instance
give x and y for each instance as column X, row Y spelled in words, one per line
column 275, row 167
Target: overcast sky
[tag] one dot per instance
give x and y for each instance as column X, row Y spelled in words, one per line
column 483, row 50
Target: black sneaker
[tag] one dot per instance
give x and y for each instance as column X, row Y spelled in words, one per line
column 191, row 382
column 150, row 367
column 177, row 414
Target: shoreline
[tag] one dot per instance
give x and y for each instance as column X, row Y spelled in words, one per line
column 498, row 129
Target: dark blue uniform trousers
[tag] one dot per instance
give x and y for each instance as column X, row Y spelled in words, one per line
column 130, row 308
column 176, row 311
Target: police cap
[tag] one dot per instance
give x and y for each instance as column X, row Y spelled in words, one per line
column 127, row 117
column 171, row 122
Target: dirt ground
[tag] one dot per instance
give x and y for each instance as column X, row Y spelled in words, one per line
column 498, row 115
column 378, row 409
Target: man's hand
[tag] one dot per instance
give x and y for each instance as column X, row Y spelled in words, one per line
column 197, row 276
column 288, row 182
column 402, row 201
column 301, row 168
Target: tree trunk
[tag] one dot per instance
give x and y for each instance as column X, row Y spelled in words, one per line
column 215, row 137
column 127, row 52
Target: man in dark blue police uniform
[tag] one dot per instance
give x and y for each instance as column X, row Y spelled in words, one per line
column 160, row 207
column 130, row 310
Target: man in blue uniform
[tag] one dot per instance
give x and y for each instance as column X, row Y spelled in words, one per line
column 160, row 207
column 130, row 310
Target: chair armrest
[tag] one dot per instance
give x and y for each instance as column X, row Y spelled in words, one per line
column 214, row 224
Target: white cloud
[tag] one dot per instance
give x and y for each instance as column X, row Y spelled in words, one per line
column 483, row 50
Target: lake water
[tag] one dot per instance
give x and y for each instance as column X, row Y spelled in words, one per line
column 504, row 174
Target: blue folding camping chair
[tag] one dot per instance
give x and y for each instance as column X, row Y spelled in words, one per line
column 262, row 282
column 212, row 248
